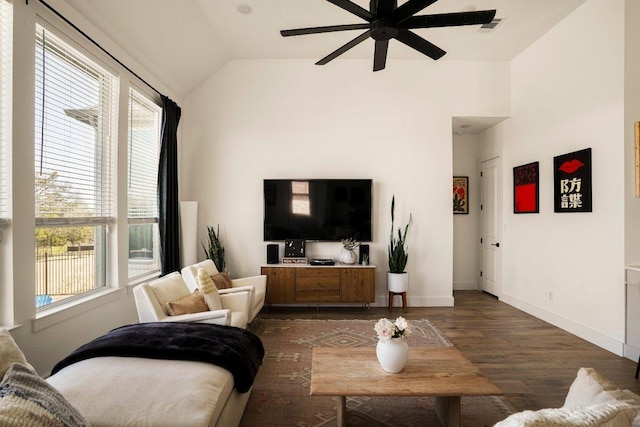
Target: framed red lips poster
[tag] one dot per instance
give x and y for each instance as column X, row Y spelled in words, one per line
column 572, row 182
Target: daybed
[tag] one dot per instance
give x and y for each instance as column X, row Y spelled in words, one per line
column 146, row 385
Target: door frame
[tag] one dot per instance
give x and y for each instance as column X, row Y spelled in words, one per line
column 501, row 226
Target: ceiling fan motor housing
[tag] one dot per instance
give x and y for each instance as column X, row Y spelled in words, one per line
column 383, row 29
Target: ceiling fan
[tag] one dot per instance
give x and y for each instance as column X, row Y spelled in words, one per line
column 386, row 20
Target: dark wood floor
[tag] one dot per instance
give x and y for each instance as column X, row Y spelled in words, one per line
column 531, row 361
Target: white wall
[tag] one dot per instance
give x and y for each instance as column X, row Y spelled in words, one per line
column 568, row 94
column 632, row 203
column 466, row 151
column 291, row 119
column 632, row 114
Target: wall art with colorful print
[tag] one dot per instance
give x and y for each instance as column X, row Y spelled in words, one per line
column 460, row 194
column 526, row 188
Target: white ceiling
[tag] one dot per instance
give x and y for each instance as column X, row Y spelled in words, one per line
column 184, row 42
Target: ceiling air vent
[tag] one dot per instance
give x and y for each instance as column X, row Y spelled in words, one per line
column 491, row 26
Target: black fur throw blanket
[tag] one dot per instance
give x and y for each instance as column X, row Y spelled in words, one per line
column 237, row 350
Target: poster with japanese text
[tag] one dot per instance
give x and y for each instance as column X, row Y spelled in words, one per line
column 526, row 188
column 572, row 182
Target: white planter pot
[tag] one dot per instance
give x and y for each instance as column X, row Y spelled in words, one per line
column 392, row 354
column 398, row 282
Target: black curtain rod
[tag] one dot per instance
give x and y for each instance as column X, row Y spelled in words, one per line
column 48, row 6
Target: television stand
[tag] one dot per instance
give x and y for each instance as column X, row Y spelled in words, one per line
column 326, row 284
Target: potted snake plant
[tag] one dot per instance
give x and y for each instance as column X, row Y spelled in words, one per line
column 215, row 249
column 397, row 277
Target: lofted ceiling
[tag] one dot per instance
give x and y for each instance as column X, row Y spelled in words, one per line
column 184, row 42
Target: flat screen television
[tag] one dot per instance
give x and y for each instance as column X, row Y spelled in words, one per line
column 317, row 209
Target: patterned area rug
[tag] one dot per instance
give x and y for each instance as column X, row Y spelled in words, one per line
column 280, row 395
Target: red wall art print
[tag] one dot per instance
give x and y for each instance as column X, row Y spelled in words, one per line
column 526, row 188
column 572, row 182
column 460, row 194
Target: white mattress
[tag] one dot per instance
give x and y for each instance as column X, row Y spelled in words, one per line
column 128, row 391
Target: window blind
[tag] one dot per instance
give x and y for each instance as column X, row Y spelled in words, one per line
column 6, row 31
column 144, row 152
column 142, row 185
column 75, row 124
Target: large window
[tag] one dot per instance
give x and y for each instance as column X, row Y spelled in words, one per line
column 74, row 169
column 5, row 107
column 142, row 185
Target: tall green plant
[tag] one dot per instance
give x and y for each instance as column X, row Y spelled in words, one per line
column 398, row 251
column 215, row 252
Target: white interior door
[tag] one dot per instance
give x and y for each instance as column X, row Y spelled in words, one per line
column 490, row 225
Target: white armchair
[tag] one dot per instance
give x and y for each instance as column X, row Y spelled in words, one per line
column 151, row 299
column 257, row 285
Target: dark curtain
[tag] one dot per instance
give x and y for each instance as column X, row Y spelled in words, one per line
column 168, row 202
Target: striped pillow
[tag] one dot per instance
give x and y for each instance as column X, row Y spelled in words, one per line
column 26, row 400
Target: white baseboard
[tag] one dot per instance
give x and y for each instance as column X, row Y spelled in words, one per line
column 631, row 352
column 606, row 342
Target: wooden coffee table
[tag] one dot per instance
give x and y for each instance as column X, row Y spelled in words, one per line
column 443, row 372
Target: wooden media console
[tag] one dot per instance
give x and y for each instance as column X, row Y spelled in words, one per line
column 305, row 284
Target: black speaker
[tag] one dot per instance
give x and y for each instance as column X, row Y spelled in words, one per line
column 364, row 251
column 272, row 254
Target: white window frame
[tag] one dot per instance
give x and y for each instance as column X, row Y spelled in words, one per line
column 18, row 273
column 109, row 172
column 144, row 98
column 6, row 69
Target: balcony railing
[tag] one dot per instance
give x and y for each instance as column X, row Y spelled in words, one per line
column 65, row 274
column 60, row 275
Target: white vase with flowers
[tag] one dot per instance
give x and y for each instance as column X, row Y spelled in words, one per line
column 348, row 255
column 392, row 349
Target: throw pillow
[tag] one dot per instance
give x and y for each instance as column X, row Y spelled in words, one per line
column 587, row 388
column 613, row 414
column 9, row 352
column 26, row 400
column 193, row 303
column 222, row 280
column 208, row 288
column 169, row 288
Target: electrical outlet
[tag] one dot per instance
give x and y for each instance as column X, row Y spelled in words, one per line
column 550, row 296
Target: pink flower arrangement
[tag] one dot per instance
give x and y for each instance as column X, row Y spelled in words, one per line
column 386, row 329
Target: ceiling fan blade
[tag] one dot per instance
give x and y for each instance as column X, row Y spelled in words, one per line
column 410, row 8
column 421, row 45
column 380, row 56
column 327, row 29
column 343, row 49
column 353, row 8
column 382, row 8
column 449, row 19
